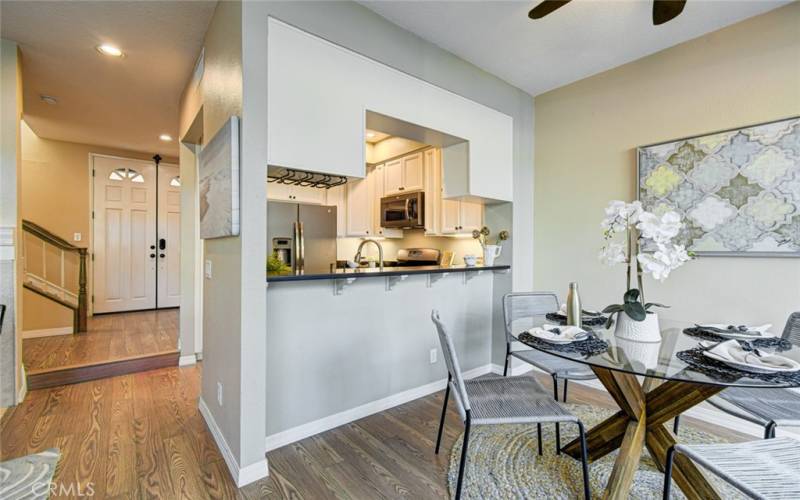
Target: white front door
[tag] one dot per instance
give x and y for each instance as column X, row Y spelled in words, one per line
column 124, row 234
column 169, row 236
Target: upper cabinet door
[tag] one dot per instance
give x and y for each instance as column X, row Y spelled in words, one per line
column 309, row 195
column 413, row 175
column 279, row 192
column 393, row 177
column 471, row 216
column 359, row 215
column 451, row 215
column 433, row 191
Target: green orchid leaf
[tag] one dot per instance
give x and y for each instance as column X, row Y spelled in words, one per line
column 635, row 311
column 613, row 308
column 654, row 304
column 631, row 295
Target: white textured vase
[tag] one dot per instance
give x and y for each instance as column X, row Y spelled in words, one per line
column 640, row 331
column 491, row 252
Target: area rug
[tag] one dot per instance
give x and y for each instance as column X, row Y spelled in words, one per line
column 28, row 477
column 503, row 463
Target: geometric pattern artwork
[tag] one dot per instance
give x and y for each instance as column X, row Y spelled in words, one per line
column 737, row 191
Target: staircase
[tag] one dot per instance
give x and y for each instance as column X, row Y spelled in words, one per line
column 42, row 251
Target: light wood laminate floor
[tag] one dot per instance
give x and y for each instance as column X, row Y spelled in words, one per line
column 141, row 436
column 110, row 337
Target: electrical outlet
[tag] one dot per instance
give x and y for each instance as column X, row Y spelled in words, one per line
column 434, row 354
column 219, row 393
column 208, row 269
column 77, row 236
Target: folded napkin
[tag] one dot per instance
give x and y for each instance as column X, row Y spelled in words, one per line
column 562, row 311
column 754, row 331
column 559, row 333
column 734, row 351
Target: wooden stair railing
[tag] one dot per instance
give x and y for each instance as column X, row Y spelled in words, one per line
column 57, row 291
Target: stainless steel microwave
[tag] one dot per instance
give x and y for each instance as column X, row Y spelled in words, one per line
column 405, row 211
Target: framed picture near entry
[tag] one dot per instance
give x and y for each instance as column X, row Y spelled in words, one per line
column 219, row 183
column 737, row 191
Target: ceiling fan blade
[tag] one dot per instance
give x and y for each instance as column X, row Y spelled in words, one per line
column 546, row 7
column 666, row 10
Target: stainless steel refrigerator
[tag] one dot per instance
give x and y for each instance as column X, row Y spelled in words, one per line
column 304, row 236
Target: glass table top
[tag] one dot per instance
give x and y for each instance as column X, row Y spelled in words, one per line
column 657, row 359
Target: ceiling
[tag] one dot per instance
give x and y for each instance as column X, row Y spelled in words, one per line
column 582, row 38
column 124, row 103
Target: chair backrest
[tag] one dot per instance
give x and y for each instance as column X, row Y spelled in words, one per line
column 453, row 368
column 792, row 330
column 523, row 310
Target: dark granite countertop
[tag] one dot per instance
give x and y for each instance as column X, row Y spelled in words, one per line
column 369, row 272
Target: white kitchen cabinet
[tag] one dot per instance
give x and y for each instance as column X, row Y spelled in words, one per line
column 375, row 181
column 337, row 196
column 432, row 170
column 404, row 174
column 359, row 208
column 301, row 111
column 298, row 194
column 451, row 216
column 471, row 216
column 393, row 177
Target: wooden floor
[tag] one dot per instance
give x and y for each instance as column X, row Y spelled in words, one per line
column 110, row 337
column 141, row 436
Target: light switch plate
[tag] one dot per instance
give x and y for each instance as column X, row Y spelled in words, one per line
column 77, row 236
column 207, row 269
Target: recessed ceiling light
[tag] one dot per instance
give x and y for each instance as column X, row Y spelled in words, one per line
column 48, row 99
column 370, row 134
column 110, row 50
column 165, row 137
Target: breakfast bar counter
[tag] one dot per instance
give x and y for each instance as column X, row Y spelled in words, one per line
column 367, row 272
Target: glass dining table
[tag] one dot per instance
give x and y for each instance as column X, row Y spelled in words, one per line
column 653, row 382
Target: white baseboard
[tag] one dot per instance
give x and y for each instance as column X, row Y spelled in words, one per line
column 303, row 431
column 47, row 332
column 241, row 476
column 703, row 411
column 187, row 360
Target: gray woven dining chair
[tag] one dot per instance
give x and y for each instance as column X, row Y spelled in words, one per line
column 765, row 407
column 499, row 400
column 760, row 469
column 520, row 310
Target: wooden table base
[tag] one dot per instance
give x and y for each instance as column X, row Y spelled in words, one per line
column 640, row 422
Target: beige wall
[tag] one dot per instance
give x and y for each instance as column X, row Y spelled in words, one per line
column 56, row 194
column 585, row 139
column 11, row 375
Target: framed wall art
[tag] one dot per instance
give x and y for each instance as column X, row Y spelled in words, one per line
column 219, row 183
column 738, row 191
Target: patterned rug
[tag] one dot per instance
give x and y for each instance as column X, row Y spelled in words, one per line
column 28, row 477
column 503, row 462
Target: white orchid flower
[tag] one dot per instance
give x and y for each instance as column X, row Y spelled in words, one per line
column 659, row 229
column 663, row 261
column 612, row 254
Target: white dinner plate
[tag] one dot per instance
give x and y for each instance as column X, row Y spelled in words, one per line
column 750, row 368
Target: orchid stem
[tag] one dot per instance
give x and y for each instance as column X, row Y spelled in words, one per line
column 628, row 270
column 639, row 274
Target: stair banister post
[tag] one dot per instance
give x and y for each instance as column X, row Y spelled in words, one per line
column 82, row 312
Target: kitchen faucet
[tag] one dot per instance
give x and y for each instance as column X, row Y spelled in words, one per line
column 357, row 258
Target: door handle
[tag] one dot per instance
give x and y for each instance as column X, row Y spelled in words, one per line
column 162, row 244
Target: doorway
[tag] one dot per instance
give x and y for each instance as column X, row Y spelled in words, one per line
column 136, row 235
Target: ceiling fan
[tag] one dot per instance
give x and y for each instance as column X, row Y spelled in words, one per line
column 663, row 10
